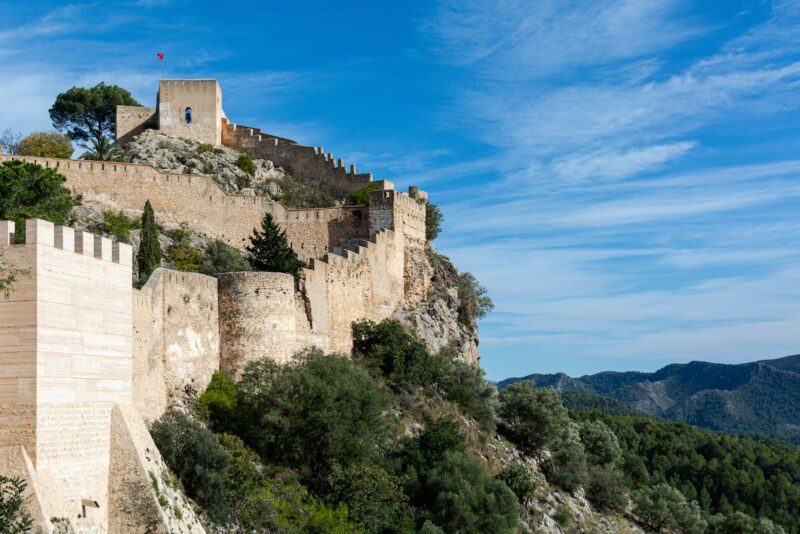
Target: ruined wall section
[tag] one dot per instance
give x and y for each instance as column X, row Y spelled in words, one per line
column 176, row 340
column 78, row 300
column 300, row 160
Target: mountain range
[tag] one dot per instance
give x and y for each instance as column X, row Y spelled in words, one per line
column 758, row 398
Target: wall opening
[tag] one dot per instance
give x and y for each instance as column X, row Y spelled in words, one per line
column 187, row 116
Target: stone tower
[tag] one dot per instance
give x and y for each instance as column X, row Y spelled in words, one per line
column 189, row 109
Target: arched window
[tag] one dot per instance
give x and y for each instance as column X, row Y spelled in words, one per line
column 187, row 116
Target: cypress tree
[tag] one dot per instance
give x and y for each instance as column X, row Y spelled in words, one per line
column 149, row 256
column 270, row 251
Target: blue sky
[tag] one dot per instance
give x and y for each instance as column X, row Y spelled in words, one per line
column 623, row 176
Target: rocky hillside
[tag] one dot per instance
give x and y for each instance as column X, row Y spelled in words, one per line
column 751, row 398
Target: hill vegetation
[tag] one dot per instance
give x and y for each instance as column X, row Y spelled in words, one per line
column 396, row 439
column 760, row 398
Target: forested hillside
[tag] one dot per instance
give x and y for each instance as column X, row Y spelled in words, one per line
column 759, row 398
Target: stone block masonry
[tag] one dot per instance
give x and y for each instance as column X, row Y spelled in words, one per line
column 67, row 356
column 175, row 339
column 198, row 201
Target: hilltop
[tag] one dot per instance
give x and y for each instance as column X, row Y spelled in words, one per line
column 755, row 398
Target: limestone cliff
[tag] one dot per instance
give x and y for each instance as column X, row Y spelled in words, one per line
column 434, row 314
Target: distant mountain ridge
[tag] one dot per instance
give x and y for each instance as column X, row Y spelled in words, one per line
column 756, row 398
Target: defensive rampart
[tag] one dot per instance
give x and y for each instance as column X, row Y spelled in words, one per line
column 261, row 314
column 199, row 201
column 299, row 160
column 175, row 339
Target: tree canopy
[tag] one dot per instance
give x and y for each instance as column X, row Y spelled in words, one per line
column 46, row 145
column 270, row 250
column 30, row 191
column 87, row 115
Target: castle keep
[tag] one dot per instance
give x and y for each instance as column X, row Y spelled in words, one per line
column 85, row 359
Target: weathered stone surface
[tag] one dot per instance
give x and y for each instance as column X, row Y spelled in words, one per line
column 143, row 495
column 176, row 340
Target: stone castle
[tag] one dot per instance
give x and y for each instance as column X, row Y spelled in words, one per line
column 86, row 360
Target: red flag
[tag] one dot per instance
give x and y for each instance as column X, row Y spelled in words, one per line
column 160, row 56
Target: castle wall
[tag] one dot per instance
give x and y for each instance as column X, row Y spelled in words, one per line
column 262, row 314
column 133, row 120
column 198, row 201
column 176, row 339
column 78, row 300
column 204, row 97
column 257, row 319
column 299, row 160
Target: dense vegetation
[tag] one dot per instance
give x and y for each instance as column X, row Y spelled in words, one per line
column 724, row 474
column 45, row 145
column 327, row 439
column 324, row 435
column 30, row 191
column 752, row 399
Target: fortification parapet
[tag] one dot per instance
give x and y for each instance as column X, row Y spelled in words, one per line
column 302, row 161
column 66, row 346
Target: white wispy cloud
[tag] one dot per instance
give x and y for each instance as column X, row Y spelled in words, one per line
column 591, row 241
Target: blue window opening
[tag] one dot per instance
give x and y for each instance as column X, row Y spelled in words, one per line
column 187, row 116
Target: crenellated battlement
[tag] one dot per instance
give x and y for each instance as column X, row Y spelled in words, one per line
column 303, row 161
column 197, row 200
column 45, row 233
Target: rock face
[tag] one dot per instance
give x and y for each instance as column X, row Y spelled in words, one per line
column 434, row 316
column 192, row 157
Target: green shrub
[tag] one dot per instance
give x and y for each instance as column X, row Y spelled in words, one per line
column 181, row 253
column 30, row 191
column 474, row 303
column 374, row 497
column 246, row 164
column 193, row 453
column 563, row 515
column 117, row 224
column 567, row 466
column 164, row 145
column 360, row 197
column 46, row 145
column 433, row 221
column 204, row 148
column 388, row 350
column 531, row 417
column 465, row 384
column 318, row 413
column 662, row 508
column 13, row 519
column 219, row 257
column 601, row 444
column 605, row 489
column 217, row 404
column 464, row 498
column 739, row 523
column 519, row 480
column 219, row 151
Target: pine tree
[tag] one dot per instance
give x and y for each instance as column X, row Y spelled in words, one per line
column 270, row 250
column 149, row 256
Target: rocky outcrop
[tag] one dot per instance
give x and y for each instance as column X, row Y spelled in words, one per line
column 434, row 315
column 191, row 157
